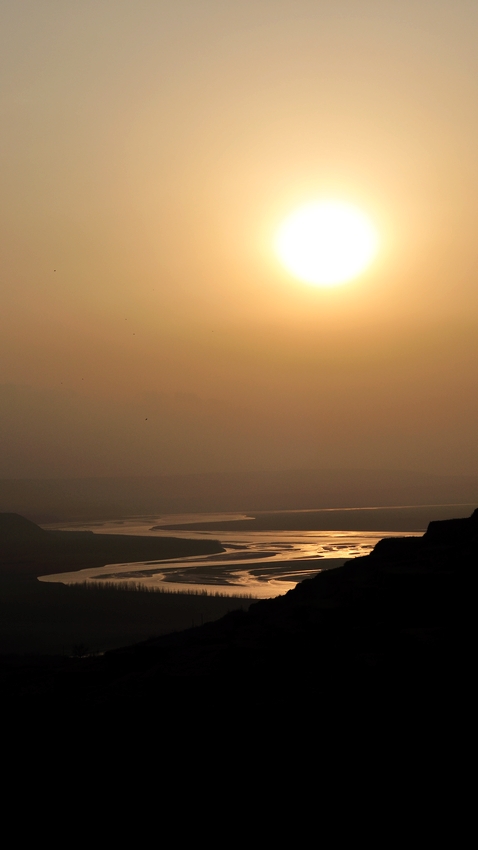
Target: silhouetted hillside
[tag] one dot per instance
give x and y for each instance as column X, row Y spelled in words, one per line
column 16, row 529
column 398, row 618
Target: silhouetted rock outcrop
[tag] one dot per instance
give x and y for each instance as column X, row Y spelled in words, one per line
column 15, row 528
column 453, row 532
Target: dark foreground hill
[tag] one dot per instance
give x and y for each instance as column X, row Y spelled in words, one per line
column 397, row 619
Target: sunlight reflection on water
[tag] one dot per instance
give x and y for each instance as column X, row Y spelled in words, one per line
column 262, row 564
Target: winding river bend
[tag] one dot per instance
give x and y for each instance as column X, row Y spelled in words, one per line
column 265, row 555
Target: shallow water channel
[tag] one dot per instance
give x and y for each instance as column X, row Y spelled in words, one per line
column 261, row 564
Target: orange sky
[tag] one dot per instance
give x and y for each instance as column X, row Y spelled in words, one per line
column 150, row 151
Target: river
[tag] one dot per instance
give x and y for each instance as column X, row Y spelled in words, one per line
column 261, row 562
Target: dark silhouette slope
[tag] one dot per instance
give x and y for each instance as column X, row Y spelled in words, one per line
column 15, row 529
column 398, row 618
column 403, row 606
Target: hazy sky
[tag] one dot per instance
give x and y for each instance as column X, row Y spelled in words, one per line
column 149, row 152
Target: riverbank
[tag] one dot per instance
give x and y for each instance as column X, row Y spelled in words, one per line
column 57, row 619
column 44, row 618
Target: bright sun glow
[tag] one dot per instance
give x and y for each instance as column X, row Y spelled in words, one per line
column 327, row 242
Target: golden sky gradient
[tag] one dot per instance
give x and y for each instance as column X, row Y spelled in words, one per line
column 150, row 151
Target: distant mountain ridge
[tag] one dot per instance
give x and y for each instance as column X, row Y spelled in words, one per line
column 300, row 489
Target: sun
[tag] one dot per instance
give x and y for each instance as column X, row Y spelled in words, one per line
column 327, row 242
